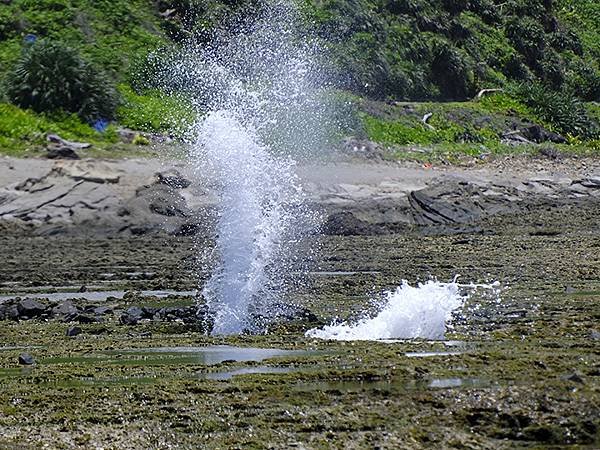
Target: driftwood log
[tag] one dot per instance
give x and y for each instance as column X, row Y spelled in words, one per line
column 485, row 92
column 425, row 118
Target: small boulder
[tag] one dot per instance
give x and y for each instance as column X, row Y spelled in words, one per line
column 11, row 312
column 84, row 318
column 575, row 378
column 102, row 310
column 136, row 312
column 132, row 316
column 73, row 331
column 65, row 309
column 172, row 178
column 60, row 152
column 149, row 312
column 539, row 134
column 29, row 308
column 25, row 359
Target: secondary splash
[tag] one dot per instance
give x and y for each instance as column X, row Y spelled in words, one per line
column 407, row 313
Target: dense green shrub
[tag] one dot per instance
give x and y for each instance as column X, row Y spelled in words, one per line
column 455, row 6
column 584, row 80
column 154, row 111
column 552, row 69
column 487, row 10
column 51, row 76
column 561, row 109
column 8, row 24
column 528, row 37
column 452, row 71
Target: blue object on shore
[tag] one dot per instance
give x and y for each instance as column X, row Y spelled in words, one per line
column 100, row 125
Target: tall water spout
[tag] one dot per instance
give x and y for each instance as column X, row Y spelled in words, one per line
column 259, row 91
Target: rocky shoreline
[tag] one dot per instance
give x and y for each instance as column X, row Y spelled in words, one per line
column 357, row 197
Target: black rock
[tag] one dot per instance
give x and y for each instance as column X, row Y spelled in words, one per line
column 551, row 152
column 149, row 312
column 65, row 309
column 58, row 151
column 126, row 319
column 30, row 308
column 3, row 309
column 132, row 316
column 135, row 312
column 73, row 331
column 173, row 178
column 83, row 318
column 26, row 359
column 539, row 134
column 102, row 310
column 575, row 378
column 12, row 312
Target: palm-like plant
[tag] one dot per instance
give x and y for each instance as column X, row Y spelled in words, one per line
column 50, row 76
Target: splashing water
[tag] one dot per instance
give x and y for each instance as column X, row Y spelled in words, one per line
column 261, row 109
column 259, row 94
column 261, row 199
column 407, row 313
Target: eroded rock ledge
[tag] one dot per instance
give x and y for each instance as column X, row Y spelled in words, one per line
column 356, row 198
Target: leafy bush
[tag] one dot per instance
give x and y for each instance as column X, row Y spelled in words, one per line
column 50, row 76
column 487, row 10
column 8, row 24
column 552, row 70
column 561, row 109
column 528, row 37
column 584, row 80
column 452, row 71
column 455, row 6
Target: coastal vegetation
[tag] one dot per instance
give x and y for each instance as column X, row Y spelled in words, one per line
column 74, row 67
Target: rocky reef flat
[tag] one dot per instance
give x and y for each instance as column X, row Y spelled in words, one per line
column 100, row 348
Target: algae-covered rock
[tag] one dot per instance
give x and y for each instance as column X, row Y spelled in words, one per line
column 25, row 359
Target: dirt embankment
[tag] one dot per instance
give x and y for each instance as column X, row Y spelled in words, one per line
column 102, row 197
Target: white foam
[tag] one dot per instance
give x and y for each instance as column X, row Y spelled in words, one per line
column 408, row 312
column 260, row 209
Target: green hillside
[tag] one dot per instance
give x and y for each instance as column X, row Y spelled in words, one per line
column 450, row 49
column 544, row 54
